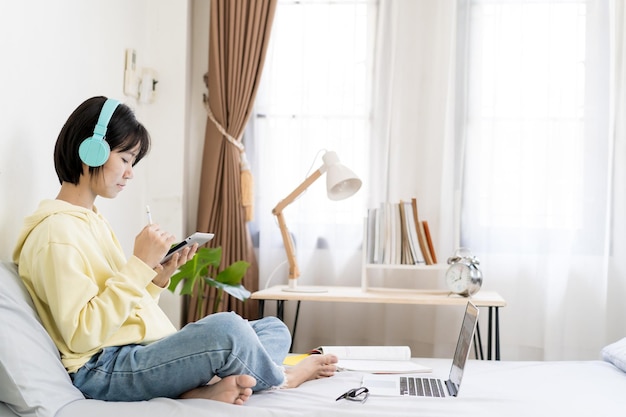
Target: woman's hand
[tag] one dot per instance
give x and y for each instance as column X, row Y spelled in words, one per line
column 151, row 245
column 166, row 270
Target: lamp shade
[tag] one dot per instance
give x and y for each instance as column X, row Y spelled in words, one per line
column 341, row 182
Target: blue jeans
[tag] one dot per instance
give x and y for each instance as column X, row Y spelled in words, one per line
column 221, row 344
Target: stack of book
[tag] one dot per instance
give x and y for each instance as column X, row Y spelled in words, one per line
column 396, row 235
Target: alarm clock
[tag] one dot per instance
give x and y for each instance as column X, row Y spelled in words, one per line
column 463, row 276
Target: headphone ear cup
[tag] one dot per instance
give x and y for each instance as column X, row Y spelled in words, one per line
column 94, row 151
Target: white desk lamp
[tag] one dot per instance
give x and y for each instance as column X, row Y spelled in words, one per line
column 341, row 183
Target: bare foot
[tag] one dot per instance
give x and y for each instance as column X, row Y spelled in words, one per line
column 311, row 367
column 234, row 389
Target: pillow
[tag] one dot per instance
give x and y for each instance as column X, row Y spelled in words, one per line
column 33, row 379
column 615, row 353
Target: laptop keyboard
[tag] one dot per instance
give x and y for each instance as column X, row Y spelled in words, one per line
column 421, row 387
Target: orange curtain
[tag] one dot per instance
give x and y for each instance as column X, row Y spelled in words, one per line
column 238, row 37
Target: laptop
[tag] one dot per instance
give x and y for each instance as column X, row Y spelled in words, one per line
column 424, row 386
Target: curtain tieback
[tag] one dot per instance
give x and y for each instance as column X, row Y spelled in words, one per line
column 246, row 179
column 223, row 131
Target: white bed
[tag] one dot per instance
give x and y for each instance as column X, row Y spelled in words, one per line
column 34, row 383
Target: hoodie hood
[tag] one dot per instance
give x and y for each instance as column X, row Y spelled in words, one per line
column 46, row 209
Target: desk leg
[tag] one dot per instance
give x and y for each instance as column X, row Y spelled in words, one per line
column 280, row 313
column 295, row 326
column 489, row 333
column 478, row 349
column 497, row 333
column 494, row 328
column 261, row 309
column 280, row 310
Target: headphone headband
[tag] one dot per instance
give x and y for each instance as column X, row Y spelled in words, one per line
column 105, row 117
column 94, row 151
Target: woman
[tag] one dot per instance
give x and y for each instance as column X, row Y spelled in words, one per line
column 101, row 309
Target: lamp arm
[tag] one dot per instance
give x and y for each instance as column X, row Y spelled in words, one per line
column 278, row 212
column 299, row 190
column 294, row 272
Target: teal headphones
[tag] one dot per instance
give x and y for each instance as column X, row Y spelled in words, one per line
column 94, row 151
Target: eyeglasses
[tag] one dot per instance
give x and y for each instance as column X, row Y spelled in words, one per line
column 355, row 394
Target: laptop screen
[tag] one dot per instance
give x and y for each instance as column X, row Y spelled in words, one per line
column 464, row 343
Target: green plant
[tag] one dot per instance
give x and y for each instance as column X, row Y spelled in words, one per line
column 196, row 272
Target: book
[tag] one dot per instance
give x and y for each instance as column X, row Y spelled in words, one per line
column 407, row 256
column 429, row 240
column 397, row 248
column 412, row 234
column 370, row 232
column 374, row 359
column 395, row 236
column 379, row 236
column 387, row 239
column 420, row 234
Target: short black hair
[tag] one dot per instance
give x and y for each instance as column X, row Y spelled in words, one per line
column 124, row 132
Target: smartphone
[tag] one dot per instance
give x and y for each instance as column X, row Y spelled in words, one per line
column 198, row 237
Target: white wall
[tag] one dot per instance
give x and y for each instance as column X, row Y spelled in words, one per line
column 56, row 54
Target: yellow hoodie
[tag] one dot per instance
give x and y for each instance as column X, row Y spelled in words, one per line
column 87, row 294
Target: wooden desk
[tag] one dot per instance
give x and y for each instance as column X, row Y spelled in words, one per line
column 489, row 299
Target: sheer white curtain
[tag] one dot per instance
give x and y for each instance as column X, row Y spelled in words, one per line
column 315, row 95
column 616, row 274
column 413, row 155
column 543, row 198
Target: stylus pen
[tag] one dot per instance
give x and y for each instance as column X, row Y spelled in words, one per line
column 149, row 214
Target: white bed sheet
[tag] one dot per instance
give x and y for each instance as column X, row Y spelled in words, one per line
column 587, row 388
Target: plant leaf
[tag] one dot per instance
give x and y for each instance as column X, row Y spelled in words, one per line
column 233, row 274
column 209, row 256
column 188, row 272
column 195, row 268
column 237, row 291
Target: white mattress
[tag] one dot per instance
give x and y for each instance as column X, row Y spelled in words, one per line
column 593, row 388
column 590, row 388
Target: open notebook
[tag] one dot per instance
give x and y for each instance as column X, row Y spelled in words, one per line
column 374, row 359
column 371, row 359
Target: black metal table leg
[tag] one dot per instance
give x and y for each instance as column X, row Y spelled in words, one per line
column 489, row 333
column 478, row 339
column 280, row 313
column 280, row 310
column 295, row 325
column 497, row 333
